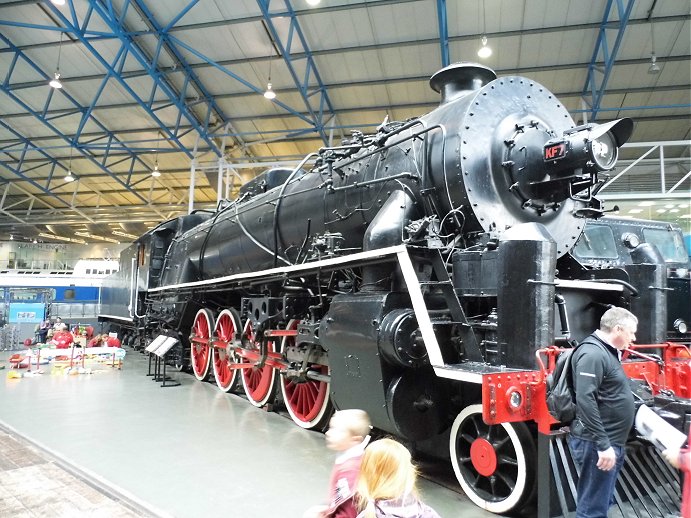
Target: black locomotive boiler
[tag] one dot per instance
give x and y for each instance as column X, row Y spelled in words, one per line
column 414, row 273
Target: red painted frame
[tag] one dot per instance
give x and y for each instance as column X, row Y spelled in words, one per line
column 672, row 374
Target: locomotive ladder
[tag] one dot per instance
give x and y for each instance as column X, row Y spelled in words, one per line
column 444, row 283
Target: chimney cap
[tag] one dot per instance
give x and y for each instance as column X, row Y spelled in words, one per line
column 463, row 73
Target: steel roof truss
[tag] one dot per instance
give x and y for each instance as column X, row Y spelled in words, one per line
column 7, row 88
column 595, row 85
column 190, row 75
column 443, row 32
column 311, row 76
column 116, row 23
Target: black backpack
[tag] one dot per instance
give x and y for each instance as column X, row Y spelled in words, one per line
column 561, row 399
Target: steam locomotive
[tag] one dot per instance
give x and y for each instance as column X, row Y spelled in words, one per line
column 415, row 273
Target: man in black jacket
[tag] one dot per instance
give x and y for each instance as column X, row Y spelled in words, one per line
column 604, row 411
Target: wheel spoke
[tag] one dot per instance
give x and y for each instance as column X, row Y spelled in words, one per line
column 509, row 482
column 498, row 444
column 507, row 460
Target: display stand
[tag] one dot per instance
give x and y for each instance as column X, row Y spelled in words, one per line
column 160, row 354
column 155, row 344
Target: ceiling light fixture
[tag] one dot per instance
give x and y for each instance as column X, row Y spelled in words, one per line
column 485, row 51
column 156, row 173
column 269, row 93
column 55, row 82
column 68, row 177
column 313, row 2
column 124, row 234
column 58, row 2
column 654, row 68
column 94, row 236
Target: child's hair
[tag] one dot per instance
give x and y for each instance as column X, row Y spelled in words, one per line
column 386, row 472
column 356, row 421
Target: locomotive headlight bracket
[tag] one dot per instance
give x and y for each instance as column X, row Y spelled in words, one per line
column 590, row 146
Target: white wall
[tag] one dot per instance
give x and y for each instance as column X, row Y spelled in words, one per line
column 54, row 255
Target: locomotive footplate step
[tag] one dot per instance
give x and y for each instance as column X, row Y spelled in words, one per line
column 476, row 368
column 647, row 486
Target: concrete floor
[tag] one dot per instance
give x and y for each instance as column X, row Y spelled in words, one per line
column 184, row 451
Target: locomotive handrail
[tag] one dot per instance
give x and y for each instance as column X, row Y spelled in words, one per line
column 551, row 352
column 634, row 291
column 278, row 205
column 379, row 149
column 281, row 270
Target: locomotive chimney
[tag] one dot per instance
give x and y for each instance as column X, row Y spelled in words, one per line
column 459, row 79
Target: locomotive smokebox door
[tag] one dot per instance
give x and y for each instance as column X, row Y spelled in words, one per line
column 525, row 299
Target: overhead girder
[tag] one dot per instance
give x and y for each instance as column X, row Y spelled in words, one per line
column 378, row 47
column 48, row 160
column 115, row 21
column 522, row 71
column 605, row 55
column 299, row 134
column 71, row 217
column 443, row 32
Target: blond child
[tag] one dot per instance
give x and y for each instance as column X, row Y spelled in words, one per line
column 387, row 483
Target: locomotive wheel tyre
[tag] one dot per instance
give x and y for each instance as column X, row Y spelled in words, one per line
column 227, row 324
column 494, row 464
column 200, row 355
column 260, row 384
column 309, row 403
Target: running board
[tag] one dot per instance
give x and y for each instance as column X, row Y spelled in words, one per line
column 647, row 487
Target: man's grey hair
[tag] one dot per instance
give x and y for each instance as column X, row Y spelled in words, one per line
column 617, row 317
